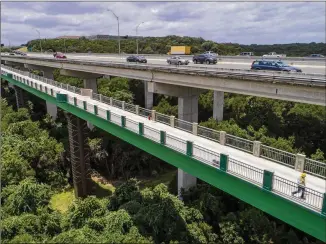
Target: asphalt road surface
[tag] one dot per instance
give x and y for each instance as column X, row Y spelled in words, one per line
column 305, row 66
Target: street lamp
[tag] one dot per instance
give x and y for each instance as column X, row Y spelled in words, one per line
column 118, row 27
column 137, row 34
column 64, row 42
column 39, row 36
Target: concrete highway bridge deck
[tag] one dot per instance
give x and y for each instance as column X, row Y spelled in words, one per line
column 308, row 65
column 305, row 88
column 260, row 182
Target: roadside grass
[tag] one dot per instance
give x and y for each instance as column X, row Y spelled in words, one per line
column 165, row 178
column 62, row 200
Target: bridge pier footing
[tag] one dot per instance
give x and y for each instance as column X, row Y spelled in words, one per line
column 218, row 104
column 21, row 97
column 79, row 155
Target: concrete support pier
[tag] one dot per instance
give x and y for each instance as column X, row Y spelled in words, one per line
column 90, row 82
column 149, row 96
column 79, row 154
column 218, row 104
column 188, row 108
column 51, row 108
column 188, row 111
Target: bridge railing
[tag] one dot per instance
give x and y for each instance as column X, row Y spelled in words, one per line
column 312, row 199
column 279, row 156
column 288, row 159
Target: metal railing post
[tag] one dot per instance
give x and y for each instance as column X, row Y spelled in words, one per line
column 137, row 109
column 123, row 121
column 153, row 115
column 256, row 149
column 108, row 115
column 162, row 137
column 111, row 101
column 268, row 180
column 95, row 110
column 123, row 105
column 299, row 162
column 189, row 148
column 141, row 128
column 323, row 209
column 224, row 161
column 222, row 137
column 195, row 128
column 172, row 119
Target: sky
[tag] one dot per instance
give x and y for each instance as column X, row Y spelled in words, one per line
column 236, row 22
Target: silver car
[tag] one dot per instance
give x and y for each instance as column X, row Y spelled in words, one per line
column 177, row 60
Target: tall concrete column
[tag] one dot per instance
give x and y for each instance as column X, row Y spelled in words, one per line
column 149, row 96
column 91, row 83
column 188, row 111
column 188, row 108
column 50, row 107
column 21, row 97
column 218, row 104
column 79, row 155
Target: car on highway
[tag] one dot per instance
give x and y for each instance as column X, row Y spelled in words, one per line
column 274, row 55
column 316, row 56
column 19, row 53
column 246, row 54
column 204, row 58
column 177, row 60
column 59, row 55
column 137, row 59
column 273, row 66
column 211, row 53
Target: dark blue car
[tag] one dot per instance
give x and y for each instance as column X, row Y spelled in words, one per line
column 273, row 66
column 137, row 59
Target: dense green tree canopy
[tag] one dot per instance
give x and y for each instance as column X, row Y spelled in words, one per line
column 162, row 45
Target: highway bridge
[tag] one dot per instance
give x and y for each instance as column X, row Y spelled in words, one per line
column 234, row 165
column 308, row 65
column 305, row 88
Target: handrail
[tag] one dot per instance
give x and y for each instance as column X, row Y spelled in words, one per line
column 278, row 185
column 276, row 155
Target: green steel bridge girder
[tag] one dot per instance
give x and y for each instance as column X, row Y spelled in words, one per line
column 304, row 219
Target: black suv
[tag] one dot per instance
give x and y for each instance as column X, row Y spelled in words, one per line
column 204, row 58
column 138, row 59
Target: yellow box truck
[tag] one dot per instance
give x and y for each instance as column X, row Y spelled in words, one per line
column 183, row 50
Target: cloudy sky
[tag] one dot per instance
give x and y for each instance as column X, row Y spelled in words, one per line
column 245, row 23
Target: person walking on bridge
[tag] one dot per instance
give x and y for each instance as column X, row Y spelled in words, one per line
column 301, row 186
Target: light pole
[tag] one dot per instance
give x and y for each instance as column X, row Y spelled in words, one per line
column 39, row 36
column 137, row 34
column 118, row 27
column 64, row 43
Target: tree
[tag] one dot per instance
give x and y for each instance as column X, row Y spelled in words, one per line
column 27, row 197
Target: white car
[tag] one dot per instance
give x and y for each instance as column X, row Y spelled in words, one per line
column 211, row 53
column 274, row 55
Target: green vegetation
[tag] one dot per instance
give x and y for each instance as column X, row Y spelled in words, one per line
column 162, row 45
column 38, row 203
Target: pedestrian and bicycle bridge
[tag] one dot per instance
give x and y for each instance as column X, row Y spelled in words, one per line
column 257, row 174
